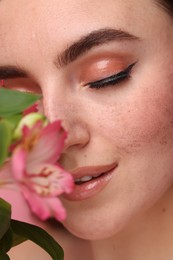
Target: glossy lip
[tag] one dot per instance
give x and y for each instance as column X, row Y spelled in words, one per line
column 92, row 187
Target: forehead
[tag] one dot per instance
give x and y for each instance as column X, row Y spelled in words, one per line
column 42, row 26
column 70, row 15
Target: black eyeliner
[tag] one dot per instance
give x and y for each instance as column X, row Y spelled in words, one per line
column 112, row 80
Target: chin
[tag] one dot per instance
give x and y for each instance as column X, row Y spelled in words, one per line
column 96, row 227
column 100, row 221
column 94, row 232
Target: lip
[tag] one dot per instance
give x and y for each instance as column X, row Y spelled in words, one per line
column 89, row 189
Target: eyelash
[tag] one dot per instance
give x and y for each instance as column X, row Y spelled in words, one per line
column 112, row 80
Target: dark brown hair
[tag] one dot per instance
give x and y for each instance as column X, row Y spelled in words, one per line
column 167, row 5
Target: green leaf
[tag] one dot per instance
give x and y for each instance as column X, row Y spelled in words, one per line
column 5, row 139
column 17, row 239
column 7, row 241
column 5, row 216
column 14, row 102
column 4, row 256
column 13, row 120
column 40, row 237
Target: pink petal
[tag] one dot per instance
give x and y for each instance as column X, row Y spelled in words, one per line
column 36, row 204
column 29, row 132
column 25, row 131
column 20, row 209
column 44, row 208
column 31, row 109
column 5, row 173
column 49, row 145
column 57, row 209
column 7, row 180
column 66, row 180
column 18, row 161
column 50, row 180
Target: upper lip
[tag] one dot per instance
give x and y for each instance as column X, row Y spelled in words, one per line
column 92, row 170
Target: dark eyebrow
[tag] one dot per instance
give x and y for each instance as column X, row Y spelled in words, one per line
column 78, row 48
column 87, row 42
column 9, row 72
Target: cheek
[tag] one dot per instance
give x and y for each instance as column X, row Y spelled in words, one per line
column 143, row 118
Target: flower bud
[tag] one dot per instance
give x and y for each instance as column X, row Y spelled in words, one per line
column 29, row 120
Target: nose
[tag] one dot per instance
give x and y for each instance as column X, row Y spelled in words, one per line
column 72, row 119
column 77, row 136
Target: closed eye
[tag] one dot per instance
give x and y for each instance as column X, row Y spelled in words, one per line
column 112, row 80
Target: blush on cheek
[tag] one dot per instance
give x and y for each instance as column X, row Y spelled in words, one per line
column 147, row 121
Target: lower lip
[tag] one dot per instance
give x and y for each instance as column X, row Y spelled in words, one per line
column 90, row 188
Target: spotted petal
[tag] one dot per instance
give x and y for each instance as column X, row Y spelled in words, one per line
column 49, row 145
column 44, row 208
column 35, row 172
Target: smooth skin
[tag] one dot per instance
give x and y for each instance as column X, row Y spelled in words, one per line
column 129, row 123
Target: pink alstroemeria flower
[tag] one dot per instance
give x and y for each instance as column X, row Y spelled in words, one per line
column 33, row 169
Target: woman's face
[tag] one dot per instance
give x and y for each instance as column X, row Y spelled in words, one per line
column 121, row 126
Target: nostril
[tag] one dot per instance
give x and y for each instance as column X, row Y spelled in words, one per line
column 77, row 137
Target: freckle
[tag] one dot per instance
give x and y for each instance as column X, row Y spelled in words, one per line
column 164, row 210
column 163, row 141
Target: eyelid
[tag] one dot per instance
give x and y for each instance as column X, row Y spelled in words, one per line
column 22, row 84
column 118, row 76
